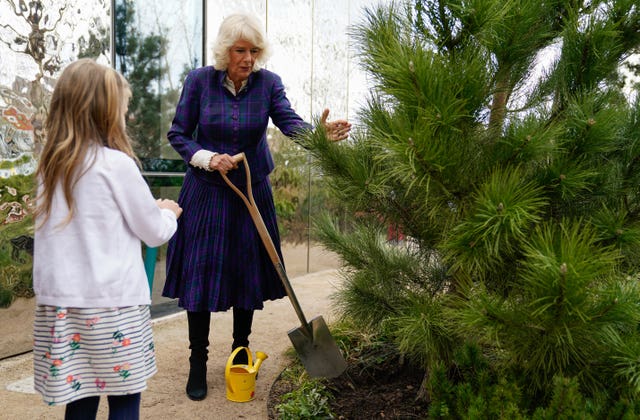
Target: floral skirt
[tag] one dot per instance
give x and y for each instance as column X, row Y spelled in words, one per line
column 84, row 352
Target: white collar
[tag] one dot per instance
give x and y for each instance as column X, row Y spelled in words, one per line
column 228, row 83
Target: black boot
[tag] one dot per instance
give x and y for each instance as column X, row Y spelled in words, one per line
column 198, row 343
column 242, row 320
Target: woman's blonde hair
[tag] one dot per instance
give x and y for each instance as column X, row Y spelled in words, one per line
column 87, row 109
column 235, row 27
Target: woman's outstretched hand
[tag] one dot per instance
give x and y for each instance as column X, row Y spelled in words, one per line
column 336, row 130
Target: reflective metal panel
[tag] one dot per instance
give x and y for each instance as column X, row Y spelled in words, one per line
column 37, row 39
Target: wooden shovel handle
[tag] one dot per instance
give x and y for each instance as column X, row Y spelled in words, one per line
column 253, row 209
column 240, row 157
column 264, row 235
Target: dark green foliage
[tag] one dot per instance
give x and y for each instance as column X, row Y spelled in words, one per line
column 172, row 171
column 518, row 195
column 142, row 60
column 469, row 388
column 567, row 402
column 442, row 394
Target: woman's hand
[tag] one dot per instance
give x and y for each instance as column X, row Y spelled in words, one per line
column 165, row 203
column 222, row 162
column 336, row 130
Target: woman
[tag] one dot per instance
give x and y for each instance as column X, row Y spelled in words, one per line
column 92, row 330
column 216, row 260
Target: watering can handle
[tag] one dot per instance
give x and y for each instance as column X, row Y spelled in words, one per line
column 227, row 371
column 264, row 235
column 233, row 355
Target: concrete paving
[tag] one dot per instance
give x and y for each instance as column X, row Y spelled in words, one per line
column 165, row 397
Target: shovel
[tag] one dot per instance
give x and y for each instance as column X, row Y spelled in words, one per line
column 313, row 342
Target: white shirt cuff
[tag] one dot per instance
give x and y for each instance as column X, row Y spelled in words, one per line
column 201, row 159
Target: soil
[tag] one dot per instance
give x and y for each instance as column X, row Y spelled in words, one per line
column 386, row 390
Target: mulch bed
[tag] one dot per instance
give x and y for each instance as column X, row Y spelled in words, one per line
column 385, row 390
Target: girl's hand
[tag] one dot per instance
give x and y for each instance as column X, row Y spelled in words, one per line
column 336, row 130
column 165, row 203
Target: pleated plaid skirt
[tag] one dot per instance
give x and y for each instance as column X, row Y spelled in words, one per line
column 216, row 259
column 85, row 352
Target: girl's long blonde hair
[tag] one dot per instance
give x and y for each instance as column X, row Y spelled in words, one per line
column 87, row 109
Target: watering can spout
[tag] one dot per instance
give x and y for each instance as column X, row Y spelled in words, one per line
column 260, row 356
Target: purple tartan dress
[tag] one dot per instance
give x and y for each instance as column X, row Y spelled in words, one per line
column 216, row 259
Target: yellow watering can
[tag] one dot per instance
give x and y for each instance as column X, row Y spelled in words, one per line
column 241, row 379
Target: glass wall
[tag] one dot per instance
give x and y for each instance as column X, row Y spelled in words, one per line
column 154, row 43
column 312, row 54
column 37, row 39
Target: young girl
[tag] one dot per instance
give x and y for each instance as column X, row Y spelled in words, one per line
column 92, row 330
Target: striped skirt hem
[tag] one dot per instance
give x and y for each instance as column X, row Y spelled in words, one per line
column 84, row 352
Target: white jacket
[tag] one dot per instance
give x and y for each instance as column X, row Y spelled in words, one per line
column 95, row 261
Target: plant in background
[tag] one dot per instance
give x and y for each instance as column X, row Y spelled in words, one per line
column 140, row 58
column 16, row 238
column 297, row 191
column 517, row 190
column 288, row 183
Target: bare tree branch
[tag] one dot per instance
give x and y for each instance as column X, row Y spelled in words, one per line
column 8, row 26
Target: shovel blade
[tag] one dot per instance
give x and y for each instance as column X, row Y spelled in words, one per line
column 317, row 350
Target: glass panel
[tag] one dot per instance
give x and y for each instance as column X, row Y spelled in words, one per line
column 330, row 65
column 310, row 54
column 156, row 44
column 291, row 60
column 291, row 44
column 37, row 39
column 330, row 89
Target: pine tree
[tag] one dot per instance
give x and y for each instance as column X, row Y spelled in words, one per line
column 518, row 192
column 138, row 58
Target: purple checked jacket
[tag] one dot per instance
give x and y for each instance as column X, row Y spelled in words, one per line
column 210, row 117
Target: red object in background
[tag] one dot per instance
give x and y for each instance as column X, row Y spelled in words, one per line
column 394, row 233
